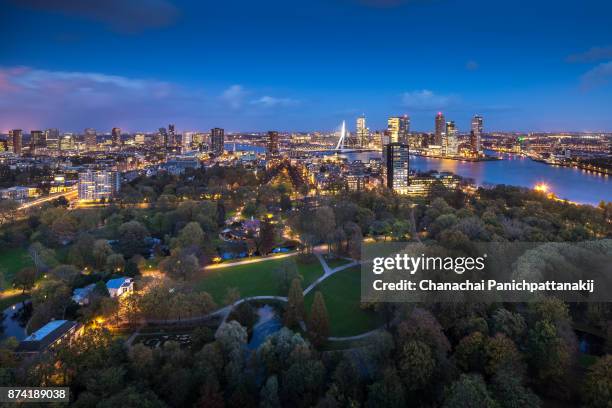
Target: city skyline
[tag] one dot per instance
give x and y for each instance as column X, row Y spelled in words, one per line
column 258, row 67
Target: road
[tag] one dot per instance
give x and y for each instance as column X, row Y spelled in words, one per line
column 69, row 195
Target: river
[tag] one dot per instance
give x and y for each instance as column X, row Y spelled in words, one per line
column 576, row 185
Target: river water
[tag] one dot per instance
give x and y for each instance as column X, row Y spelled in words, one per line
column 576, row 185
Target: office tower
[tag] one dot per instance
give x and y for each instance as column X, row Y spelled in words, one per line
column 90, row 139
column 139, row 139
column 67, row 142
column 476, row 133
column 393, row 129
column 37, row 141
column 186, row 141
column 273, row 148
column 217, row 141
column 98, row 184
column 395, row 167
column 16, row 139
column 440, row 129
column 116, row 136
column 52, row 140
column 363, row 133
column 404, row 129
column 163, row 137
column 450, row 141
column 172, row 136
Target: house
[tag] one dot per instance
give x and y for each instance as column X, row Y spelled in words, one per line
column 119, row 286
column 50, row 336
column 81, row 295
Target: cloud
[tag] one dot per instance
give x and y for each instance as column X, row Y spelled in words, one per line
column 270, row 102
column 127, row 16
column 594, row 54
column 33, row 98
column 598, row 76
column 426, row 100
column 234, row 96
column 471, row 65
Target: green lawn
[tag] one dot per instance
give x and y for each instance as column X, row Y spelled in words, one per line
column 342, row 294
column 256, row 279
column 11, row 261
column 333, row 263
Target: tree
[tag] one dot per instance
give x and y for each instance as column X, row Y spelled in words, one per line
column 7, row 210
column 191, row 236
column 100, row 252
column 132, row 236
column 286, row 272
column 502, row 354
column 294, row 313
column 65, row 273
column 470, row 352
column 115, row 263
column 548, row 355
column 318, row 324
column 511, row 393
column 416, row 365
column 269, row 394
column 598, row 384
column 25, row 279
column 511, row 324
column 469, row 391
column 180, row 266
column 387, row 392
column 266, row 240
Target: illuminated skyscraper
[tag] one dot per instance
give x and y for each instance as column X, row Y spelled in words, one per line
column 440, row 129
column 172, row 139
column 363, row 133
column 397, row 129
column 395, row 167
column 273, row 149
column 16, row 136
column 37, row 140
column 476, row 133
column 217, row 141
column 52, row 140
column 163, row 135
column 97, row 185
column 116, row 136
column 450, row 141
column 90, row 139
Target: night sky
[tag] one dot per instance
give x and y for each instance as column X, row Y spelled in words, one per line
column 304, row 65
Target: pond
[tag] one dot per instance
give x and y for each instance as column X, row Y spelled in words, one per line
column 12, row 326
column 268, row 322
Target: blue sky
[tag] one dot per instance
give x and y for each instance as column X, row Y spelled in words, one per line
column 304, row 65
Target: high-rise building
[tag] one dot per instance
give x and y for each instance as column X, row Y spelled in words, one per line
column 98, row 184
column 52, row 140
column 90, row 139
column 395, row 167
column 393, row 129
column 116, row 136
column 37, row 141
column 139, row 139
column 273, row 148
column 67, row 142
column 16, row 137
column 450, row 141
column 363, row 133
column 476, row 133
column 217, row 141
column 172, row 139
column 440, row 128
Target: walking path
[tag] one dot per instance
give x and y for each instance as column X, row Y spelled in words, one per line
column 225, row 311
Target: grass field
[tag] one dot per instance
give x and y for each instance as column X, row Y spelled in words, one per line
column 342, row 293
column 333, row 263
column 256, row 279
column 11, row 261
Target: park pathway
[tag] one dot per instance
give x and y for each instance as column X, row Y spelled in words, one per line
column 225, row 311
